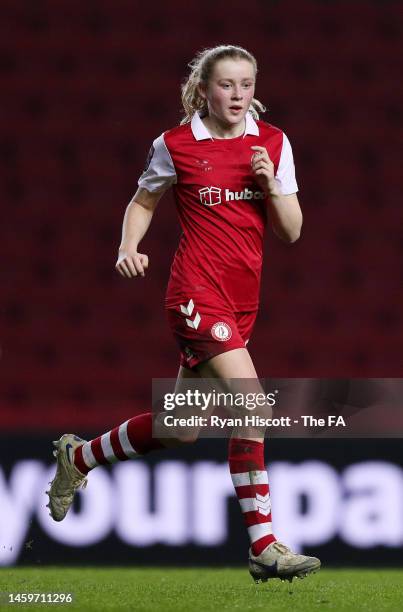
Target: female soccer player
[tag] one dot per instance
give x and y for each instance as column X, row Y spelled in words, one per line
column 229, row 172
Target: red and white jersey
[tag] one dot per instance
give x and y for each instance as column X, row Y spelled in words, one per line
column 222, row 210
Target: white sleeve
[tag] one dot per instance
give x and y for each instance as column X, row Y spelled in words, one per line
column 286, row 170
column 159, row 173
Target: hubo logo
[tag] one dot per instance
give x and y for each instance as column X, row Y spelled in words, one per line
column 210, row 196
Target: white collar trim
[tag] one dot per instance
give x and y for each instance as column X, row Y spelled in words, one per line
column 200, row 132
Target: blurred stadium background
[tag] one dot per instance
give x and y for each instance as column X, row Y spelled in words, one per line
column 86, row 88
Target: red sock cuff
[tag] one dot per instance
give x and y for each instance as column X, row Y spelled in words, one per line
column 245, row 455
column 140, row 434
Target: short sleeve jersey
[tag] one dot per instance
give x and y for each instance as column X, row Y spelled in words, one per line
column 222, row 210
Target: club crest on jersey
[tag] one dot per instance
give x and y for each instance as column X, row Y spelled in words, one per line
column 221, row 331
column 210, row 196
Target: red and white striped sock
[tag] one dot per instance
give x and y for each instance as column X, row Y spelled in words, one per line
column 133, row 437
column 249, row 476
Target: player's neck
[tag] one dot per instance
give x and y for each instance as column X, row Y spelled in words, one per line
column 218, row 129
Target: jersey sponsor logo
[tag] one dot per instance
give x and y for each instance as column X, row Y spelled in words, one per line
column 221, row 331
column 211, row 196
column 246, row 194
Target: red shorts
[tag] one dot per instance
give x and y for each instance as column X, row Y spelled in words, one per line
column 202, row 335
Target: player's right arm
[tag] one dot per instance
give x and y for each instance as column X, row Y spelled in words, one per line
column 159, row 174
column 136, row 222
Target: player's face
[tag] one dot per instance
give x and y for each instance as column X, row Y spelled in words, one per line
column 230, row 90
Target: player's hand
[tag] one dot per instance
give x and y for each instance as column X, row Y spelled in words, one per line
column 131, row 264
column 263, row 169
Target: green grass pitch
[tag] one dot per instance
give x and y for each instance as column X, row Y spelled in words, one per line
column 201, row 589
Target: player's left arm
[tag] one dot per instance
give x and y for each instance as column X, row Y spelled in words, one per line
column 284, row 209
column 286, row 216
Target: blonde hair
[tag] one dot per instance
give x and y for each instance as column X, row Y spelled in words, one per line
column 201, row 69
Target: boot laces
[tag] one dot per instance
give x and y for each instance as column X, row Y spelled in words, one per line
column 280, row 547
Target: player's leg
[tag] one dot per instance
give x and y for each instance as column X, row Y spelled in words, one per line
column 77, row 457
column 246, row 453
column 268, row 558
column 183, row 435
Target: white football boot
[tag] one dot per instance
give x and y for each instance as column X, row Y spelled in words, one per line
column 67, row 478
column 278, row 561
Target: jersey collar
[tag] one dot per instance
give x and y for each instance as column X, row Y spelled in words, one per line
column 200, row 132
